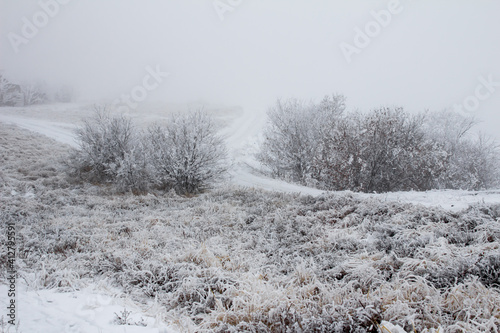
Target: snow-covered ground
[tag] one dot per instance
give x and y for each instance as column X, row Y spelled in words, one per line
column 95, row 308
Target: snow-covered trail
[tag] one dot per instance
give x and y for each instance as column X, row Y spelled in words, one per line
column 61, row 132
column 242, row 140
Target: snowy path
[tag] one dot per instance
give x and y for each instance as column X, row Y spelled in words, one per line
column 60, row 132
column 242, row 141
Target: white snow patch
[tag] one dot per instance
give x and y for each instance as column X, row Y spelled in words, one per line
column 452, row 200
column 387, row 327
column 88, row 310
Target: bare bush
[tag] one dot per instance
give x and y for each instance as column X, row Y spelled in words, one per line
column 384, row 150
column 472, row 161
column 33, row 94
column 396, row 154
column 187, row 154
column 291, row 139
column 109, row 152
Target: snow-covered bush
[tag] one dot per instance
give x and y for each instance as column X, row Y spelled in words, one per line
column 187, row 154
column 381, row 151
column 286, row 149
column 472, row 161
column 384, row 150
column 396, row 154
column 291, row 139
column 109, row 151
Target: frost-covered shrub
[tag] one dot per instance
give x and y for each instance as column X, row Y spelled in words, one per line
column 395, row 153
column 383, row 150
column 472, row 161
column 187, row 154
column 292, row 137
column 109, row 151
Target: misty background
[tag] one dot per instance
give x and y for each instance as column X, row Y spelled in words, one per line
column 430, row 56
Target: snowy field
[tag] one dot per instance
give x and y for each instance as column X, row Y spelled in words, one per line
column 255, row 254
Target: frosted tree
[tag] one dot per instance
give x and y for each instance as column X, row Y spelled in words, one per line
column 33, row 94
column 291, row 139
column 338, row 164
column 187, row 154
column 109, row 151
column 472, row 160
column 10, row 94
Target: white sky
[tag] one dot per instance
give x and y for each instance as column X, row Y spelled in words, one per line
column 428, row 57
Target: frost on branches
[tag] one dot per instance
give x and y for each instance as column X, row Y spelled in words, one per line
column 294, row 133
column 384, row 150
column 186, row 155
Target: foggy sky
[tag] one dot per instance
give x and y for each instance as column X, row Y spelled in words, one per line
column 429, row 56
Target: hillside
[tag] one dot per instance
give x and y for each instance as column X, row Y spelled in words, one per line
column 241, row 259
